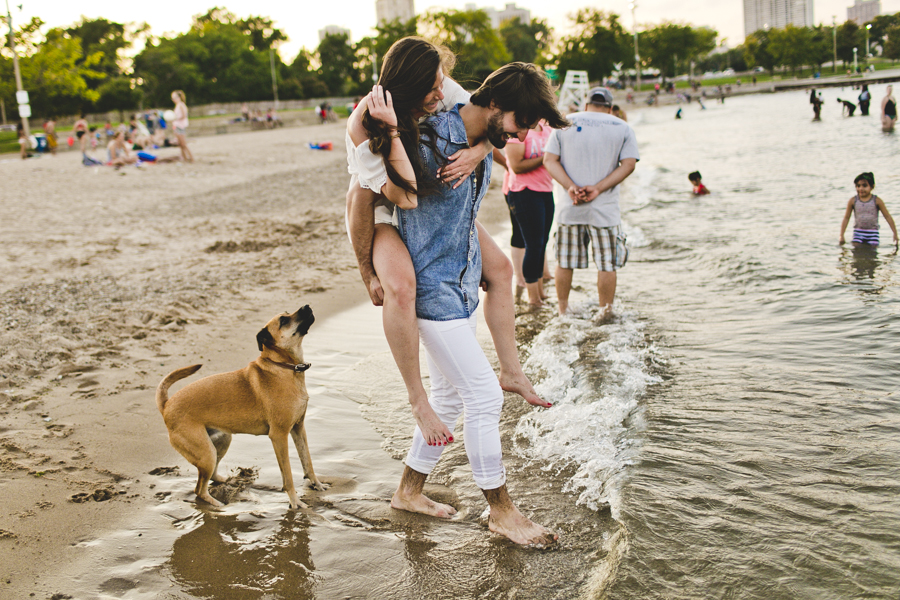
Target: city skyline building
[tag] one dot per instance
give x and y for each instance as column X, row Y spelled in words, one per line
column 511, row 11
column 333, row 30
column 775, row 14
column 391, row 10
column 863, row 11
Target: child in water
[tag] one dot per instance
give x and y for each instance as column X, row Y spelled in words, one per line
column 699, row 188
column 866, row 206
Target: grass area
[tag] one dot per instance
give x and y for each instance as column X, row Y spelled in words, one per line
column 8, row 142
column 880, row 64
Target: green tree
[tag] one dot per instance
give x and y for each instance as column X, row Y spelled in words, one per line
column 850, row 36
column 215, row 61
column 669, row 45
column 757, row 52
column 104, row 40
column 118, row 94
column 527, row 42
column 468, row 33
column 300, row 79
column 880, row 26
column 892, row 43
column 57, row 77
column 791, row 46
column 338, row 59
column 598, row 43
column 821, row 45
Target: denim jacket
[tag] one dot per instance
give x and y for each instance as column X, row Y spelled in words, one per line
column 440, row 232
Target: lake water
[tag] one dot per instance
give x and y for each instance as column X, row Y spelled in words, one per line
column 765, row 460
column 732, row 433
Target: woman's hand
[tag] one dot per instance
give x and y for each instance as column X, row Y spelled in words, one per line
column 381, row 106
column 461, row 164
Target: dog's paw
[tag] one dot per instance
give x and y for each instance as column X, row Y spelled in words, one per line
column 319, row 486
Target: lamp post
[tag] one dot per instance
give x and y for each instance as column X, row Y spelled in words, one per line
column 21, row 94
column 868, row 54
column 274, row 78
column 834, row 36
column 637, row 56
column 855, row 64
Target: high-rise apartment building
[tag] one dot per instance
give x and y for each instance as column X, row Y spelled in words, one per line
column 391, row 10
column 510, row 12
column 863, row 11
column 775, row 14
column 333, row 30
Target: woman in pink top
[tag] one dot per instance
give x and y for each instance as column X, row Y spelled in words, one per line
column 179, row 125
column 531, row 203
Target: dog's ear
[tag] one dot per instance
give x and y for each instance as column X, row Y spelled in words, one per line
column 264, row 338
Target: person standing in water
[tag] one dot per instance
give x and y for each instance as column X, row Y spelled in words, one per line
column 588, row 161
column 697, row 181
column 442, row 237
column 888, row 110
column 866, row 205
column 865, row 98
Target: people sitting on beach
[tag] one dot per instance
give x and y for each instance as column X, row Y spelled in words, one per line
column 23, row 141
column 865, row 206
column 699, row 188
column 118, row 151
column 678, row 113
column 140, row 135
column 848, row 107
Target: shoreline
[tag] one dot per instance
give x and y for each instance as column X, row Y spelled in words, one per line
column 111, row 279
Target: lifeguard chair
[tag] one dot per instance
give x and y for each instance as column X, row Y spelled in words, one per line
column 574, row 90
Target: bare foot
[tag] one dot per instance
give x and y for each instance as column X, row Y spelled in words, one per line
column 520, row 289
column 433, row 429
column 518, row 383
column 520, row 529
column 422, row 504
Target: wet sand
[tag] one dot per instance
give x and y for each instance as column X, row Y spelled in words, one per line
column 111, row 279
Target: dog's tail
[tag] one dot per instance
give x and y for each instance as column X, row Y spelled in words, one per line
column 162, row 390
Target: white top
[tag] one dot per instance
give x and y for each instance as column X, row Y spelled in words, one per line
column 589, row 150
column 369, row 167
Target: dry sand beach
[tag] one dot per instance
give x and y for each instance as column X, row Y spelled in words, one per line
column 111, row 279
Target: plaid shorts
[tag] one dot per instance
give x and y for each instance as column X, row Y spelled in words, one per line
column 572, row 246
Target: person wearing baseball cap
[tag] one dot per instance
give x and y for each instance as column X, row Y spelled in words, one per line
column 600, row 96
column 588, row 161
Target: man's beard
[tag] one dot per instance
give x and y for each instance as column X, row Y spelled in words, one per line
column 495, row 133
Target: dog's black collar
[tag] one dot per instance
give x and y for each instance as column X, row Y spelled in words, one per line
column 298, row 368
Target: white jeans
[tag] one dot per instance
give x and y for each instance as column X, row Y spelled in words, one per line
column 462, row 380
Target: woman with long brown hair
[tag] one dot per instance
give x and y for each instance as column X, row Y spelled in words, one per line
column 382, row 153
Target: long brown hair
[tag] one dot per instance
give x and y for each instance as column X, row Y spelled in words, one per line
column 408, row 73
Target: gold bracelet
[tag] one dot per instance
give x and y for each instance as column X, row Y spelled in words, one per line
column 396, row 135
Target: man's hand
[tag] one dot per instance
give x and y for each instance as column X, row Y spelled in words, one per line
column 461, row 164
column 576, row 194
column 373, row 286
column 590, row 193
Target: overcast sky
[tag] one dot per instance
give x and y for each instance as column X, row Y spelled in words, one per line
column 301, row 20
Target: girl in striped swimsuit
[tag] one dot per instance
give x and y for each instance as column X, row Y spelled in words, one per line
column 866, row 205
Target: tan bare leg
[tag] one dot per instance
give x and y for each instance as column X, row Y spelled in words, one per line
column 409, row 497
column 500, row 315
column 395, row 271
column 506, row 520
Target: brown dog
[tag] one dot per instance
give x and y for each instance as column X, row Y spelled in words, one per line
column 267, row 397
